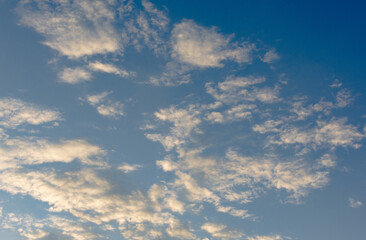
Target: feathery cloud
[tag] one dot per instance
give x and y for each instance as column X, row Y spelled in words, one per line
column 15, row 112
column 205, row 47
column 73, row 28
column 104, row 105
column 75, row 75
column 354, row 203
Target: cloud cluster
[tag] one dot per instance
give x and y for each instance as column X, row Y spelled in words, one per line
column 277, row 143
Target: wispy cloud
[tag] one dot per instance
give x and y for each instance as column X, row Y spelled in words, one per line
column 88, row 197
column 73, row 28
column 238, row 89
column 195, row 47
column 50, row 227
column 108, row 68
column 220, row 231
column 354, row 203
column 19, row 152
column 274, row 237
column 206, row 47
column 15, row 112
column 270, row 56
column 334, row 132
column 104, row 105
column 144, row 28
column 126, row 168
column 75, row 75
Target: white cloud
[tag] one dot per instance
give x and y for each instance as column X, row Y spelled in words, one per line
column 194, row 192
column 295, row 177
column 74, row 75
column 236, row 113
column 14, row 112
column 178, row 230
column 175, row 74
column 326, row 161
column 144, row 27
column 221, row 231
column 344, row 98
column 241, row 213
column 83, row 194
column 270, row 56
column 108, row 68
column 32, row 228
column 336, row 84
column 195, row 47
column 73, row 28
column 354, row 203
column 334, row 132
column 104, row 105
column 126, row 168
column 258, row 237
column 205, row 47
column 267, row 126
column 17, row 152
column 141, row 232
column 185, row 122
column 238, row 89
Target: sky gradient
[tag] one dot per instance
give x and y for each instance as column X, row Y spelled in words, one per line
column 182, row 120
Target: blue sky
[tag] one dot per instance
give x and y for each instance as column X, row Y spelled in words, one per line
column 182, row 120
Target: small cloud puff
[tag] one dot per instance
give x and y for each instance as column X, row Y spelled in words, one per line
column 354, row 203
column 105, row 106
column 74, row 75
column 126, row 168
column 270, row 56
column 108, row 68
column 205, row 47
column 221, row 231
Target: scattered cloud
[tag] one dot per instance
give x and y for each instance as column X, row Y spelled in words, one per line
column 334, row 132
column 270, row 56
column 126, row 168
column 238, row 89
column 175, row 74
column 108, row 68
column 273, row 151
column 89, row 198
column 236, row 113
column 75, row 75
column 336, row 84
column 73, row 28
column 104, row 105
column 19, row 152
column 343, row 98
column 197, row 47
column 15, row 112
column 144, row 28
column 50, row 227
column 220, row 231
column 185, row 121
column 206, row 47
column 274, row 237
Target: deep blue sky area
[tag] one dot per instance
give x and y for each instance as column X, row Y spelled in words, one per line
column 203, row 120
